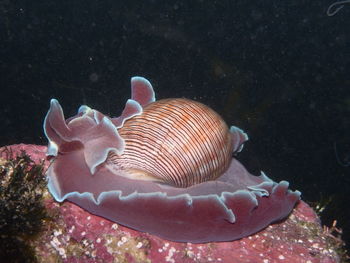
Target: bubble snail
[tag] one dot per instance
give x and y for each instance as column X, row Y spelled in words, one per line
column 163, row 167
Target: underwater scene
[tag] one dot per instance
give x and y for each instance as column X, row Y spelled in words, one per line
column 175, row 131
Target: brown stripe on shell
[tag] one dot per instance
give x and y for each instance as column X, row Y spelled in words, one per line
column 177, row 141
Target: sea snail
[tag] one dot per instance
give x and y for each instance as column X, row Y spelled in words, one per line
column 163, row 167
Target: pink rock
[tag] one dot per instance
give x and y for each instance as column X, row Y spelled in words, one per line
column 78, row 236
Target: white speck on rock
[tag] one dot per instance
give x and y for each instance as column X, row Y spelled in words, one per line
column 169, row 257
column 190, row 253
column 316, row 245
column 57, row 232
column 122, row 241
column 71, row 229
column 62, row 252
column 55, row 243
column 139, row 245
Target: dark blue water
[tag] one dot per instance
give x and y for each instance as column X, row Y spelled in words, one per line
column 280, row 70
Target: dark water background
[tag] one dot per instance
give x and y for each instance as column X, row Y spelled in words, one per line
column 280, row 70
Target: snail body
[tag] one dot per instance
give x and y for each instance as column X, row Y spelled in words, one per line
column 163, row 167
column 178, row 141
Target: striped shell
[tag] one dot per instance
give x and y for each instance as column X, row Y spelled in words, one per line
column 179, row 142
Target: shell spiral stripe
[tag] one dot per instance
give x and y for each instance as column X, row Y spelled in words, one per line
column 177, row 141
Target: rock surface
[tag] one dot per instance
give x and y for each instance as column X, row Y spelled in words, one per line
column 75, row 235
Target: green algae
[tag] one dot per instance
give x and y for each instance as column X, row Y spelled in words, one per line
column 22, row 211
